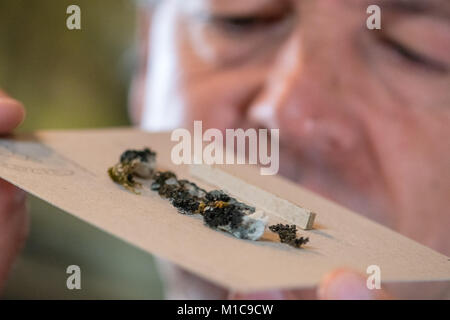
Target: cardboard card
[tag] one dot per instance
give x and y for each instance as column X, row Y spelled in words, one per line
column 68, row 169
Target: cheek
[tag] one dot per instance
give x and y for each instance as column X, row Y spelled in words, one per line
column 409, row 139
column 421, row 89
column 410, row 83
column 217, row 94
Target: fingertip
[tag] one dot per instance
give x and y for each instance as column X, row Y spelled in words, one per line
column 344, row 284
column 12, row 114
column 262, row 295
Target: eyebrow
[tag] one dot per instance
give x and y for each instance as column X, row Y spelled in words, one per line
column 248, row 7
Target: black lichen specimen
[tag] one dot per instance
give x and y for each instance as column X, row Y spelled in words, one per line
column 226, row 213
column 221, row 214
column 145, row 155
column 219, row 210
column 186, row 196
column 288, row 234
column 159, row 183
column 217, row 195
column 143, row 161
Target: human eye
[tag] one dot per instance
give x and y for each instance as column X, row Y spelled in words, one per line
column 237, row 31
column 240, row 25
column 410, row 55
column 418, row 38
column 238, row 17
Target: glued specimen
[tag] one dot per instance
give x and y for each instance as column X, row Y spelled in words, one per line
column 219, row 210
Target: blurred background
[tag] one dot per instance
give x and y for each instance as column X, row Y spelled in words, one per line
column 72, row 79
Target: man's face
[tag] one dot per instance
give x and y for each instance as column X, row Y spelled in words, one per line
column 364, row 115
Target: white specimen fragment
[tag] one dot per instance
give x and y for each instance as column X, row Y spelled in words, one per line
column 145, row 169
column 252, row 226
column 143, row 162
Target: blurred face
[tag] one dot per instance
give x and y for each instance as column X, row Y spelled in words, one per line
column 364, row 115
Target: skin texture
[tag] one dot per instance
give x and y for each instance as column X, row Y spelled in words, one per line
column 363, row 114
column 13, row 213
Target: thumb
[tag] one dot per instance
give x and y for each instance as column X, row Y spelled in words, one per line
column 12, row 113
column 345, row 284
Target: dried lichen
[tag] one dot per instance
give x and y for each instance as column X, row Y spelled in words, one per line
column 133, row 163
column 288, row 234
column 123, row 175
column 218, row 209
column 143, row 161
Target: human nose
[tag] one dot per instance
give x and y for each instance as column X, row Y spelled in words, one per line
column 303, row 98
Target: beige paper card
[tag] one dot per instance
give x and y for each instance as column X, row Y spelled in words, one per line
column 68, row 170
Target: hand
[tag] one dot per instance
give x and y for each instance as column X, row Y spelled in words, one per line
column 13, row 214
column 345, row 284
column 341, row 284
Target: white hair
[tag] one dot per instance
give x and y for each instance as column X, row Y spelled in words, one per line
column 162, row 104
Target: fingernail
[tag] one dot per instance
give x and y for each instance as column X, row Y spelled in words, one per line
column 345, row 285
column 262, row 295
